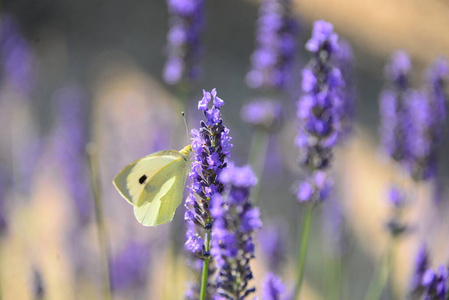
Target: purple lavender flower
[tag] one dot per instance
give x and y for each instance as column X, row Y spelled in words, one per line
column 427, row 114
column 16, row 57
column 344, row 59
column 397, row 71
column 236, row 221
column 272, row 288
column 436, row 284
column 211, row 146
column 263, row 113
column 421, row 266
column 272, row 61
column 318, row 111
column 395, row 224
column 71, row 143
column 129, row 267
column 394, row 116
column 273, row 243
column 183, row 40
column 436, row 77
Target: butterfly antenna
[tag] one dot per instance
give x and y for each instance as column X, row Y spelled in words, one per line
column 185, row 124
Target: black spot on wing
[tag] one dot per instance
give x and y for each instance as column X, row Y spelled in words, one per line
column 142, row 179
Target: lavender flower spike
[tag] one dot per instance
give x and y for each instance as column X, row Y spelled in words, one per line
column 421, row 266
column 436, row 284
column 236, row 221
column 272, row 61
column 318, row 112
column 183, row 38
column 263, row 113
column 427, row 113
column 394, row 116
column 72, row 139
column 272, row 288
column 211, row 146
column 16, row 56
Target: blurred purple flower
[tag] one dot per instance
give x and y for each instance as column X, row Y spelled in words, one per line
column 183, row 40
column 273, row 243
column 263, row 113
column 272, row 60
column 236, row 221
column 427, row 114
column 396, row 197
column 394, row 116
column 344, row 59
column 72, row 138
column 16, row 57
column 397, row 71
column 129, row 267
column 436, row 284
column 421, row 266
column 395, row 224
column 273, row 288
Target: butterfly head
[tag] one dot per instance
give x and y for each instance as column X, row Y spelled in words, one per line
column 186, row 150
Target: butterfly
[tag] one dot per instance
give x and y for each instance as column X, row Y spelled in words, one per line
column 154, row 185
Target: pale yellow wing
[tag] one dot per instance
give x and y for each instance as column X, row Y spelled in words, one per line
column 162, row 194
column 131, row 181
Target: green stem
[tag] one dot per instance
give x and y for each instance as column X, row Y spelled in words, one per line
column 380, row 277
column 302, row 247
column 257, row 157
column 333, row 279
column 99, row 217
column 205, row 273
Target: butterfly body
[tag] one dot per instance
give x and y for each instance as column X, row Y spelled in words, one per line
column 154, row 185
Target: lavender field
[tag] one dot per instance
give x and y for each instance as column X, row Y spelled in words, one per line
column 224, row 149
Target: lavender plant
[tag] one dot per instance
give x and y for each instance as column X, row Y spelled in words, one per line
column 427, row 114
column 211, row 145
column 129, row 268
column 272, row 61
column 273, row 241
column 319, row 127
column 235, row 222
column 394, row 116
column 436, row 284
column 16, row 58
column 72, row 138
column 273, row 288
column 183, row 48
column 421, row 266
column 344, row 59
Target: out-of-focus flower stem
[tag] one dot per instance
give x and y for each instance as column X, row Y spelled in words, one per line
column 205, row 273
column 333, row 277
column 382, row 273
column 257, row 158
column 99, row 217
column 302, row 248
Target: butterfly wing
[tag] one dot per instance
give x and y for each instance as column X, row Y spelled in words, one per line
column 162, row 194
column 154, row 185
column 131, row 181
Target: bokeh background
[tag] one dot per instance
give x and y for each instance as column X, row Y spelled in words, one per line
column 110, row 54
